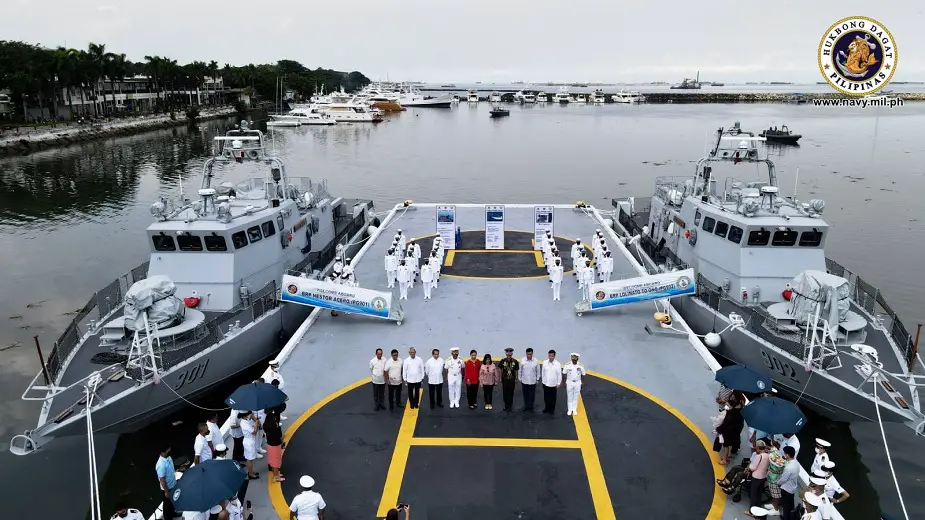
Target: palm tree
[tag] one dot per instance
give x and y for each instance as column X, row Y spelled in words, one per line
column 116, row 70
column 100, row 60
column 64, row 64
column 213, row 73
column 154, row 69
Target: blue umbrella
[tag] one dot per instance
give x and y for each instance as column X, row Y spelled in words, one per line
column 256, row 396
column 773, row 415
column 744, row 378
column 206, row 485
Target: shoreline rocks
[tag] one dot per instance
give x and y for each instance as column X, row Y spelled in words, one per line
column 64, row 135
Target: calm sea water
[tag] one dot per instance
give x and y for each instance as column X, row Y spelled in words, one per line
column 72, row 219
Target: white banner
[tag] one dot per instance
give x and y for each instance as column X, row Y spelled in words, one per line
column 642, row 288
column 542, row 222
column 337, row 297
column 446, row 226
column 494, row 227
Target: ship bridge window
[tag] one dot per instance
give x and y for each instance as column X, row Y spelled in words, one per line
column 810, row 238
column 268, row 230
column 708, row 224
column 189, row 242
column 215, row 243
column 239, row 239
column 253, row 234
column 721, row 229
column 735, row 234
column 759, row 237
column 784, row 238
column 163, row 242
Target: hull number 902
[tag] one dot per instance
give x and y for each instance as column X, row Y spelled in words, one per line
column 781, row 367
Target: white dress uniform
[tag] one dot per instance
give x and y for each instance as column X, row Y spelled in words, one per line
column 427, row 279
column 820, row 458
column 250, row 439
column 391, row 268
column 405, row 275
column 416, row 252
column 585, row 279
column 399, row 252
column 555, row 276
column 573, row 374
column 606, row 268
column 576, row 256
column 133, row 514
column 435, row 265
column 338, row 267
column 306, row 505
column 402, row 243
column 454, row 378
column 235, row 509
column 215, row 433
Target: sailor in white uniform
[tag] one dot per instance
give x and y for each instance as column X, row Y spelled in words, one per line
column 348, row 270
column 398, row 252
column 427, row 279
column 549, row 237
column 391, row 268
column 574, row 374
column 454, row 376
column 606, row 266
column 547, row 256
column 338, row 267
column 415, row 252
column 434, row 262
column 577, row 249
column 124, row 512
column 555, row 277
column 402, row 243
column 405, row 276
column 307, row 505
column 821, row 456
column 346, row 280
column 412, row 262
column 585, row 279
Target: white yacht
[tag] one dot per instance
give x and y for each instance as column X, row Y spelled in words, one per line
column 303, row 115
column 598, row 97
column 628, row 96
column 495, row 97
column 581, row 99
column 541, row 97
column 345, row 108
column 413, row 98
column 529, row 97
column 473, row 96
column 563, row 96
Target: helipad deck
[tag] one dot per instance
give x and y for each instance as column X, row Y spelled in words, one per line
column 636, row 449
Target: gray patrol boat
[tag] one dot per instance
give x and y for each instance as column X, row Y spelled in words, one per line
column 828, row 338
column 204, row 307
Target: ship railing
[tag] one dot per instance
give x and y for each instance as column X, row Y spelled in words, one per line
column 101, row 306
column 671, row 181
column 871, row 300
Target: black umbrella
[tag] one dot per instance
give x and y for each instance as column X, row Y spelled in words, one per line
column 256, row 396
column 206, row 485
column 773, row 415
column 744, row 378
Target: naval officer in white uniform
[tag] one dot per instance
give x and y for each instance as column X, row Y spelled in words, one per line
column 307, row 505
column 821, row 456
column 391, row 268
column 555, row 277
column 577, row 249
column 574, row 374
column 405, row 275
column 427, row 279
column 434, row 262
column 606, row 267
column 123, row 512
column 454, row 376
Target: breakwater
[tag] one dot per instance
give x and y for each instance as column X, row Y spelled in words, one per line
column 721, row 97
column 25, row 140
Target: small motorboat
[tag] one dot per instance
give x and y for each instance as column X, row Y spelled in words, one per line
column 780, row 135
column 499, row 112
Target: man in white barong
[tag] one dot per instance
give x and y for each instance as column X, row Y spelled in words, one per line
column 454, row 376
column 573, row 374
column 555, row 277
column 391, row 268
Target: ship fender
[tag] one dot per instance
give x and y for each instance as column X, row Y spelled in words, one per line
column 691, row 235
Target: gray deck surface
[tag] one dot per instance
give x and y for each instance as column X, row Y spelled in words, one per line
column 489, row 315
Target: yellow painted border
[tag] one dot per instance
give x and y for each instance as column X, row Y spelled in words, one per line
column 490, row 442
column 719, row 498
column 451, row 255
column 716, row 508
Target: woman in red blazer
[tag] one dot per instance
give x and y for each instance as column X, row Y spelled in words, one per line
column 471, row 369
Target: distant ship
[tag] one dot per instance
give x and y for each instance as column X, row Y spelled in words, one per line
column 689, row 84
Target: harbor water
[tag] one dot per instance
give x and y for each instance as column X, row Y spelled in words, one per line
column 72, row 219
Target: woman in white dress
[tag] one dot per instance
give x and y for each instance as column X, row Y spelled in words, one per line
column 250, row 425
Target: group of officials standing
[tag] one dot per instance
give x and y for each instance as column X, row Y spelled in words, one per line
column 403, row 264
column 584, row 273
column 394, row 373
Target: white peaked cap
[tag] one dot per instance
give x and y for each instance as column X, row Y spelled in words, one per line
column 813, row 499
column 823, row 443
column 759, row 512
column 454, row 349
column 221, row 447
column 306, row 481
column 274, row 362
column 216, row 509
column 819, row 481
column 576, row 354
column 828, row 464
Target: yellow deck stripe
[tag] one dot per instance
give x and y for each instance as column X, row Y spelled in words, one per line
column 603, row 505
column 399, row 460
column 539, row 259
column 450, row 255
column 493, row 442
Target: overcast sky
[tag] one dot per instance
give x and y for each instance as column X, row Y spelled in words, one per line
column 479, row 40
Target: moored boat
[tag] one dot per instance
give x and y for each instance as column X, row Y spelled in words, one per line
column 780, row 135
column 499, row 112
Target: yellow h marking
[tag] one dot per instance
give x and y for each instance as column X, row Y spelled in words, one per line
column 399, row 461
column 603, row 507
column 450, row 255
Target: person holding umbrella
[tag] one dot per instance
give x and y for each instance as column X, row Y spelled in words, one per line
column 249, row 425
column 207, row 485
